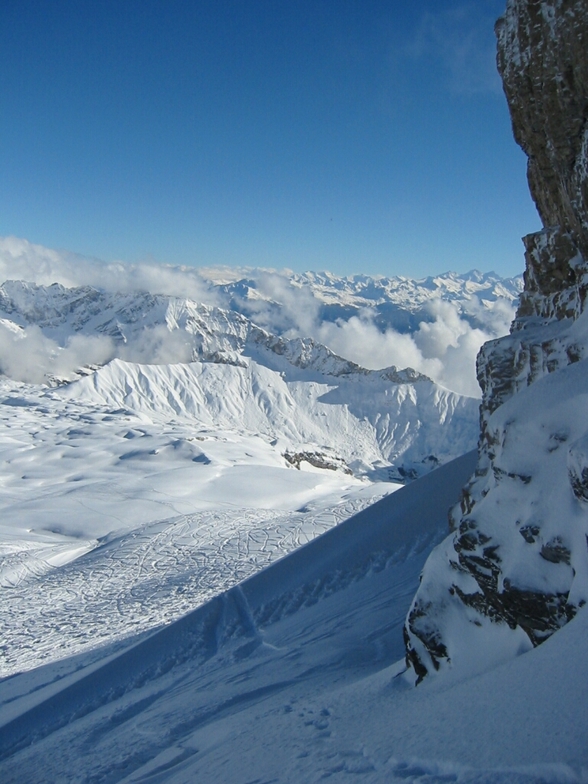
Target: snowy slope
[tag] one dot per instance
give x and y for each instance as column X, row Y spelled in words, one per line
column 293, row 676
column 360, row 420
column 189, row 509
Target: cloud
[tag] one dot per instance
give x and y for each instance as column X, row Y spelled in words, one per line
column 360, row 340
column 22, row 260
column 298, row 309
column 30, row 356
column 158, row 346
column 444, row 349
column 444, row 344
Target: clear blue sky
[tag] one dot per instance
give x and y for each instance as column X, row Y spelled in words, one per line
column 349, row 135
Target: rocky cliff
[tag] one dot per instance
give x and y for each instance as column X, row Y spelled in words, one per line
column 515, row 568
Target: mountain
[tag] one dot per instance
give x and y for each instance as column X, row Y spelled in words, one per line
column 272, row 299
column 147, row 326
column 281, row 303
column 359, row 421
column 237, row 376
column 515, row 570
column 398, row 302
column 434, row 325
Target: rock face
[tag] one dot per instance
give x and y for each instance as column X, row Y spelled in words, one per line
column 515, row 568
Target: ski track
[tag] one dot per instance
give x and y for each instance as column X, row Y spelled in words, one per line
column 109, row 527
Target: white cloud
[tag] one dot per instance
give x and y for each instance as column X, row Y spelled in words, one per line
column 298, row 306
column 444, row 345
column 22, row 260
column 158, row 346
column 30, row 356
column 444, row 349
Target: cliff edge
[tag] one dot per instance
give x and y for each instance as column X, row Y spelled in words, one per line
column 515, row 567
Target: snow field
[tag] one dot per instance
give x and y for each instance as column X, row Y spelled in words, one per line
column 295, row 676
column 331, row 612
column 114, row 522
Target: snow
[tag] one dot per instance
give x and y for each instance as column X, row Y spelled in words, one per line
column 107, row 512
column 295, row 676
column 203, row 577
column 526, row 503
column 364, row 419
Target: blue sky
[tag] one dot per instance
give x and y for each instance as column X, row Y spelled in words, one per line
column 349, row 135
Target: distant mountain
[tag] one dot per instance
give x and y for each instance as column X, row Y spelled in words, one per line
column 388, row 424
column 398, row 302
column 268, row 296
column 260, row 295
column 139, row 323
column 435, row 325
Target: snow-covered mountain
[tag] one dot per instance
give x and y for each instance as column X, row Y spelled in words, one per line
column 160, row 328
column 236, row 376
column 275, row 300
column 358, row 421
column 398, row 302
column 434, row 325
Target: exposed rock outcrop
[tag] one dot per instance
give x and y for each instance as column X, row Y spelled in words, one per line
column 515, row 568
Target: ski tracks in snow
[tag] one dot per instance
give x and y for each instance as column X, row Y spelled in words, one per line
column 145, row 578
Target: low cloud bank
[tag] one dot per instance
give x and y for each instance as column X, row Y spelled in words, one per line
column 444, row 344
column 444, row 349
column 30, row 356
column 22, row 260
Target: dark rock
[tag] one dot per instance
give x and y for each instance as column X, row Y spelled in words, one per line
column 578, row 469
column 318, row 460
column 539, row 615
column 530, row 533
column 555, row 551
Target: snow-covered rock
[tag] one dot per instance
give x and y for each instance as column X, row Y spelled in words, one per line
column 516, row 567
